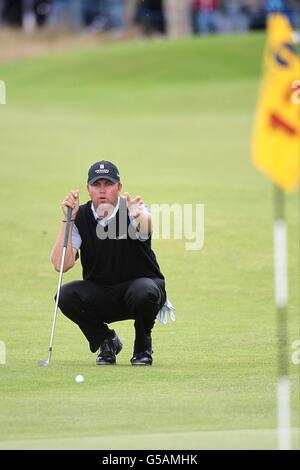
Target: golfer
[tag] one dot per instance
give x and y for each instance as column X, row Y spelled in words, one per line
column 121, row 277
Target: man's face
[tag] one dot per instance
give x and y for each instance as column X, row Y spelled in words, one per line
column 104, row 193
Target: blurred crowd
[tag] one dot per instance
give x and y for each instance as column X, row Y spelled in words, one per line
column 204, row 16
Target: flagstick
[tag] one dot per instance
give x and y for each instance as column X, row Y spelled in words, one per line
column 281, row 298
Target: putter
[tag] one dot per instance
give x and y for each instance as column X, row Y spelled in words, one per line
column 47, row 362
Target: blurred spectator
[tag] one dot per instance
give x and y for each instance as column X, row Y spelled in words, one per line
column 66, row 13
column 42, row 9
column 12, row 12
column 116, row 14
column 256, row 10
column 235, row 16
column 95, row 15
column 102, row 15
column 150, row 15
column 207, row 17
column 295, row 14
column 178, row 18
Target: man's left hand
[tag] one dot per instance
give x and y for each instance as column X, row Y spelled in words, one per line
column 134, row 206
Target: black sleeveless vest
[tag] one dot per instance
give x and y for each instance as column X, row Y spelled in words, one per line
column 109, row 261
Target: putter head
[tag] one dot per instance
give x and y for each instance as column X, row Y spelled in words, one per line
column 43, row 363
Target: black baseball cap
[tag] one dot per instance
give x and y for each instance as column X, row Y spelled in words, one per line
column 103, row 170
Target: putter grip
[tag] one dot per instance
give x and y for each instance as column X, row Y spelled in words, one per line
column 69, row 216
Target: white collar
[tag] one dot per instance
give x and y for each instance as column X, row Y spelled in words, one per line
column 104, row 220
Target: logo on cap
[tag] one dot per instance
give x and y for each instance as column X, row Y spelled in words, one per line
column 102, row 169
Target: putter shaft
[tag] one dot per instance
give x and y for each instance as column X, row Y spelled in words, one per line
column 69, row 215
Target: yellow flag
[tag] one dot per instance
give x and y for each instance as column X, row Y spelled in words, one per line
column 276, row 137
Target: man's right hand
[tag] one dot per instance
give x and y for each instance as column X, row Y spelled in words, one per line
column 71, row 200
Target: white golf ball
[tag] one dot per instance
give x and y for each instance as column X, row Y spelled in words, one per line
column 79, row 378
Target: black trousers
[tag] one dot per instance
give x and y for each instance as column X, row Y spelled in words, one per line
column 92, row 307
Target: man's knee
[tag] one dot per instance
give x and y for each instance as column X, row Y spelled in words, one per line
column 145, row 292
column 66, row 294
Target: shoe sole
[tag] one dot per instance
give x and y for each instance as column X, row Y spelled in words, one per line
column 141, row 364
